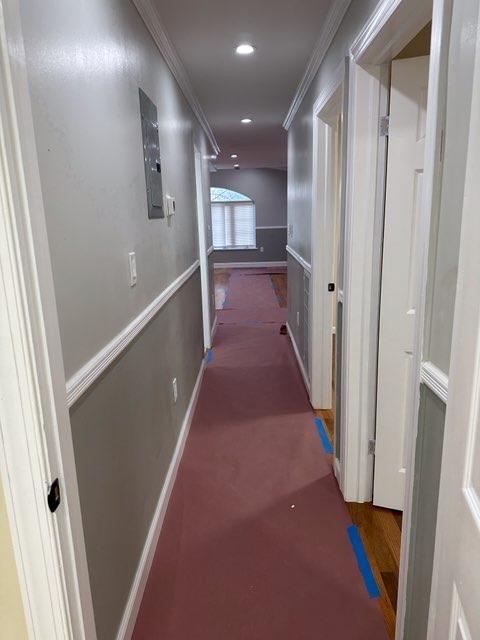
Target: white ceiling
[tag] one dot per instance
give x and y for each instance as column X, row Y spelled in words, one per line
column 230, row 87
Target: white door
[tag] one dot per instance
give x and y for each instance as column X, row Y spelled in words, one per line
column 202, row 253
column 406, row 147
column 455, row 599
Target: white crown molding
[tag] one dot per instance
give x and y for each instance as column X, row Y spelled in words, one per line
column 435, row 379
column 332, row 22
column 151, row 18
column 401, row 17
column 306, row 265
column 93, row 369
column 301, row 366
column 146, row 559
column 380, row 16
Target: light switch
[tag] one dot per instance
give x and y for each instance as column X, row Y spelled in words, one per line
column 170, row 206
column 132, row 261
column 175, row 389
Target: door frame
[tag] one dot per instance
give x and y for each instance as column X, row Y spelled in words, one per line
column 203, row 250
column 35, row 431
column 463, row 392
column 389, row 29
column 327, row 107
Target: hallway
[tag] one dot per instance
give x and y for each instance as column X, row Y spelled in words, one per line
column 254, row 544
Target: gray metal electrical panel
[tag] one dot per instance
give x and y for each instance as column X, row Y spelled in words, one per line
column 151, row 156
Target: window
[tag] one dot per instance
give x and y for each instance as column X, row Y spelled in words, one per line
column 233, row 220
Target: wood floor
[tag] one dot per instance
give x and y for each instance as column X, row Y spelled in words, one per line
column 222, row 277
column 379, row 528
column 381, row 531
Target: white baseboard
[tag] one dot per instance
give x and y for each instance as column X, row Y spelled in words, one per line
column 138, row 587
column 248, row 265
column 299, row 360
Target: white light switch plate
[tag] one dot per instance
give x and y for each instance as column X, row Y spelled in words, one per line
column 175, row 389
column 132, row 261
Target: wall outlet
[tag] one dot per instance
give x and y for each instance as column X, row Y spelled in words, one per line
column 298, row 318
column 175, row 389
column 261, row 249
column 132, row 262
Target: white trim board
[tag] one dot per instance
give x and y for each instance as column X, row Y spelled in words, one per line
column 435, row 379
column 93, row 369
column 210, row 250
column 402, row 18
column 35, row 432
column 248, row 265
column 299, row 360
column 138, row 587
column 214, row 327
column 306, row 265
column 151, row 18
column 281, row 226
column 331, row 25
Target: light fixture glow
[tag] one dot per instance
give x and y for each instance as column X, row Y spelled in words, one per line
column 236, row 166
column 245, row 49
column 233, row 156
column 246, row 121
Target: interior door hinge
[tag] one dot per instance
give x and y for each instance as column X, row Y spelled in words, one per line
column 371, row 447
column 384, row 125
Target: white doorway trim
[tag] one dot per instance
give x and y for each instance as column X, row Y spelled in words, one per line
column 203, row 251
column 327, row 107
column 390, row 28
column 35, row 433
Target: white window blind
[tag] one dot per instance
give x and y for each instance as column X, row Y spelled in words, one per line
column 233, row 225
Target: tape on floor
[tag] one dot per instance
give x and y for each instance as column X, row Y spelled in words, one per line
column 327, row 445
column 363, row 562
column 210, row 355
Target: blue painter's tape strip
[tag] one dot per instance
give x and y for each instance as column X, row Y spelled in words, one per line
column 327, row 445
column 363, row 562
column 210, row 355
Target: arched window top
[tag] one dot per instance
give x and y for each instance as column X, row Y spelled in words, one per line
column 220, row 194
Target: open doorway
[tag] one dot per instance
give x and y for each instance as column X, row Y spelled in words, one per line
column 325, row 285
column 334, row 158
column 400, row 126
column 389, row 195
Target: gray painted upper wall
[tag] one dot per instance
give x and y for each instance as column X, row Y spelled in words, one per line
column 266, row 187
column 300, row 134
column 85, row 62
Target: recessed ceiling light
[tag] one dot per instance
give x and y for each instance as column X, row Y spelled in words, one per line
column 246, row 120
column 233, row 156
column 236, row 166
column 245, row 49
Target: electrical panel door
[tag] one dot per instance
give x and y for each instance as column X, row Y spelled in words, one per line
column 151, row 156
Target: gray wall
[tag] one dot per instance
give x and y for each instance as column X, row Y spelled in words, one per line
column 85, row 62
column 272, row 241
column 268, row 189
column 300, row 150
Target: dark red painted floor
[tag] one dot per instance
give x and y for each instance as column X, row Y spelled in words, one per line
column 254, row 544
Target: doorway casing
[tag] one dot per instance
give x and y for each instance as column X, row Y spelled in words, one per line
column 392, row 25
